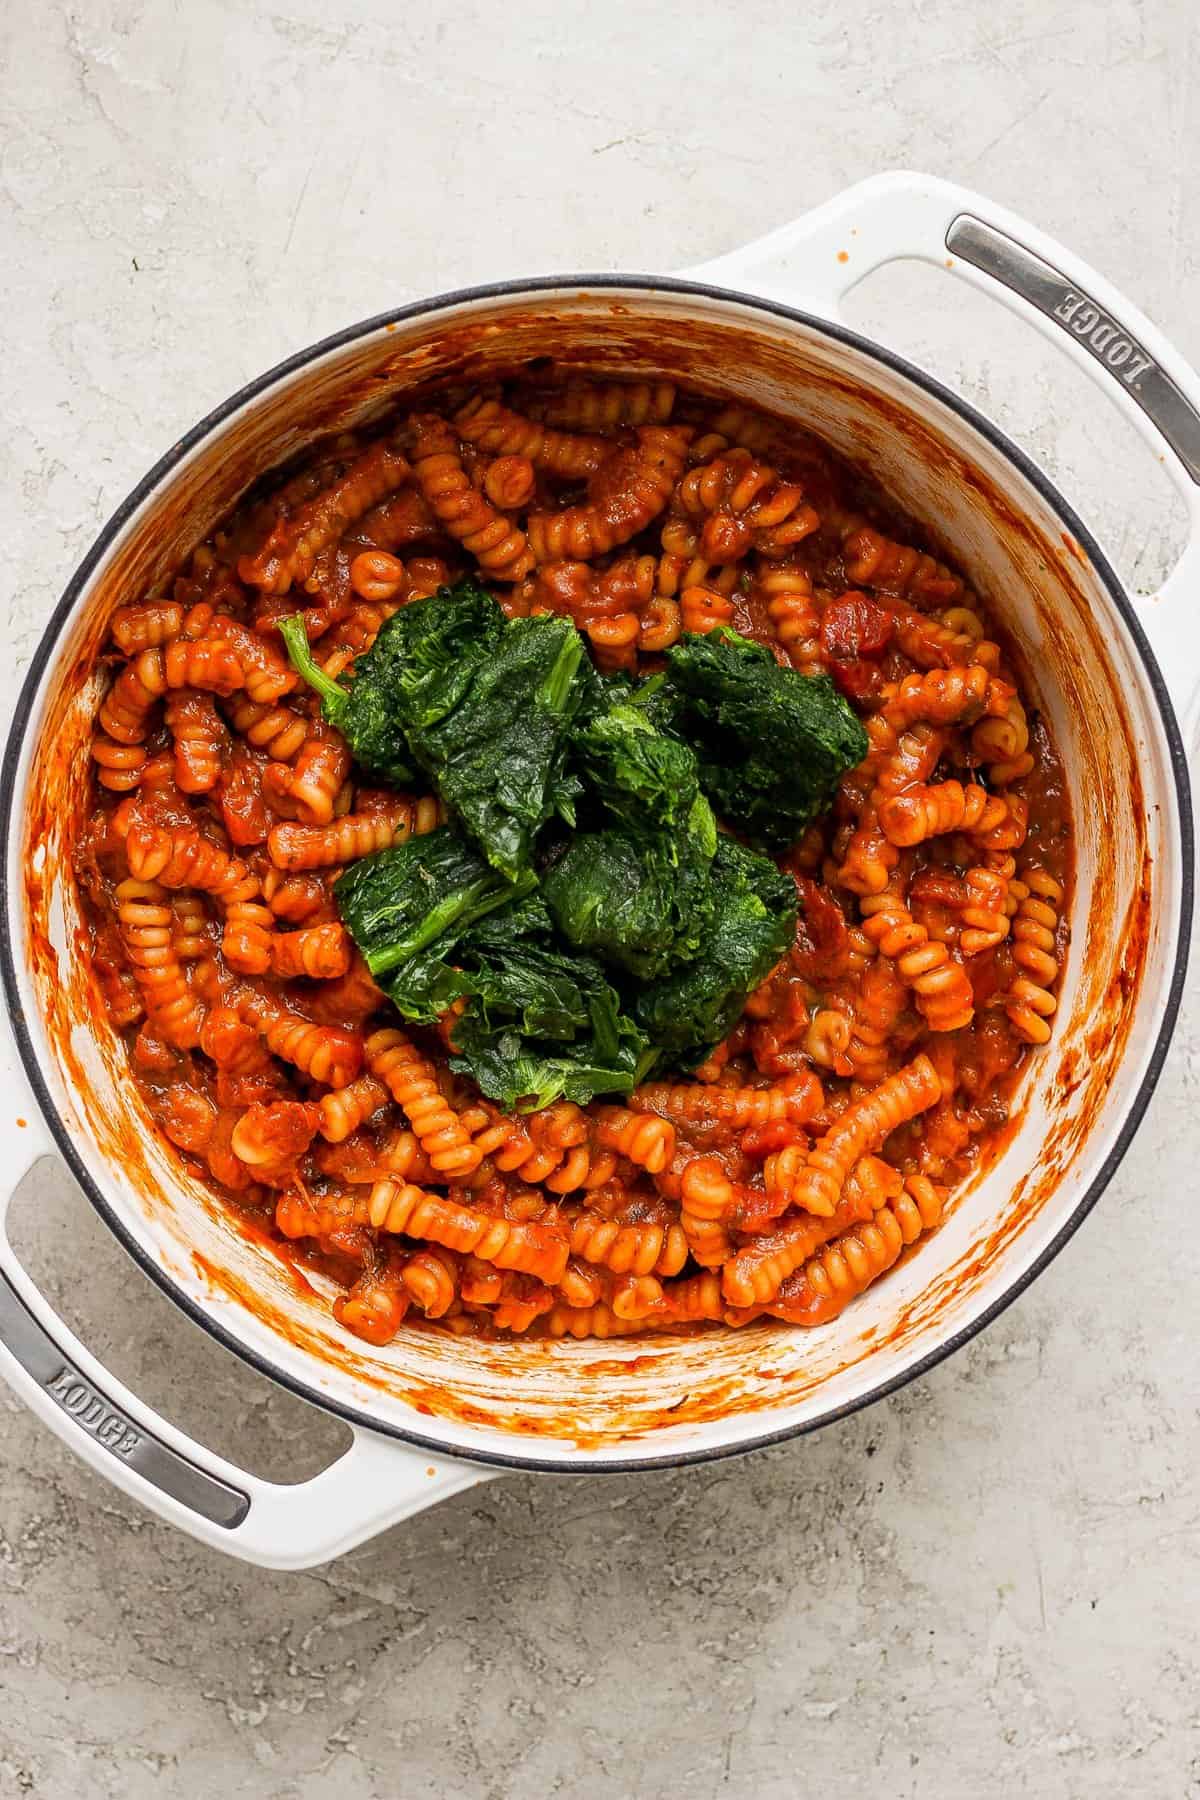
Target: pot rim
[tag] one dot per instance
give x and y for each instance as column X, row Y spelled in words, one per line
column 582, row 1462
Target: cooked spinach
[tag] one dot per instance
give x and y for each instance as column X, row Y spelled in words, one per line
column 520, row 980
column 406, row 907
column 432, row 651
column 580, row 958
column 638, row 904
column 436, row 924
column 647, row 781
column 753, row 921
column 481, row 704
column 365, row 712
column 635, row 892
column 524, row 1075
column 542, row 1022
column 497, row 755
column 772, row 744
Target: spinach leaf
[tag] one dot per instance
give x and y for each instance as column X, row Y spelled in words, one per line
column 752, row 923
column 636, row 892
column 497, row 754
column 417, row 897
column 364, row 712
column 647, row 781
column 540, row 1024
column 436, row 924
column 639, row 904
column 600, row 692
column 432, row 650
column 482, row 705
column 523, row 1075
column 519, row 979
column 772, row 744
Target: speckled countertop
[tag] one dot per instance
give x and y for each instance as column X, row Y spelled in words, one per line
column 986, row 1586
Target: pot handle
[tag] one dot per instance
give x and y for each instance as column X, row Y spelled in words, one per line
column 374, row 1484
column 814, row 262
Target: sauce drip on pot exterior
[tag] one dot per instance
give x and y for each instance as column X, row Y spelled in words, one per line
column 574, row 862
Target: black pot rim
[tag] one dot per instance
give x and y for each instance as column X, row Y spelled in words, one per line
column 581, row 1464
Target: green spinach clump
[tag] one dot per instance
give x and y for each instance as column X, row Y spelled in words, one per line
column 636, row 890
column 436, row 924
column 582, row 907
column 772, row 744
column 481, row 705
column 752, row 921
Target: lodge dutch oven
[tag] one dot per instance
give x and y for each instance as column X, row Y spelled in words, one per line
column 432, row 1413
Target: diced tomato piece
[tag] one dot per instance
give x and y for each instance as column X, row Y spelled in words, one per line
column 853, row 627
column 859, row 680
column 241, row 799
column 822, row 936
column 937, row 887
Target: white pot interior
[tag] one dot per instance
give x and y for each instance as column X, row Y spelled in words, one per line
column 659, row 1396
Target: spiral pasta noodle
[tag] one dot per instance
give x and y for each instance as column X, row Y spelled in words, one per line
column 1002, row 741
column 793, row 611
column 900, row 761
column 598, row 406
column 815, row 1181
column 189, row 926
column 985, row 921
column 628, row 1247
column 834, row 1276
column 796, row 1098
column 299, row 847
column 497, row 429
column 942, row 990
column 412, row 1083
column 921, row 812
column 527, row 1246
column 743, row 503
column 1030, row 1002
column 321, row 952
column 146, row 923
column 199, row 741
column 497, row 544
column 874, row 560
column 344, row 1110
column 181, row 858
column 146, row 625
column 327, row 1053
column 120, row 765
column 629, row 490
column 706, row 1197
column 290, row 551
column 278, row 730
column 878, row 1005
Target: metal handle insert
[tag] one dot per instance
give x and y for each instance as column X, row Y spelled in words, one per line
column 107, row 1424
column 1103, row 337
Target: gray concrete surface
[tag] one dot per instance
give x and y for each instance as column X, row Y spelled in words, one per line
column 986, row 1587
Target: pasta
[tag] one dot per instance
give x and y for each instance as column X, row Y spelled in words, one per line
column 506, row 434
column 291, row 548
column 1031, row 1001
column 870, row 1072
column 626, row 493
column 596, row 406
column 344, row 840
column 412, row 1082
column 497, row 544
column 146, row 921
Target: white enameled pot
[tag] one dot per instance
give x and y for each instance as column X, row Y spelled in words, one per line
column 432, row 1414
